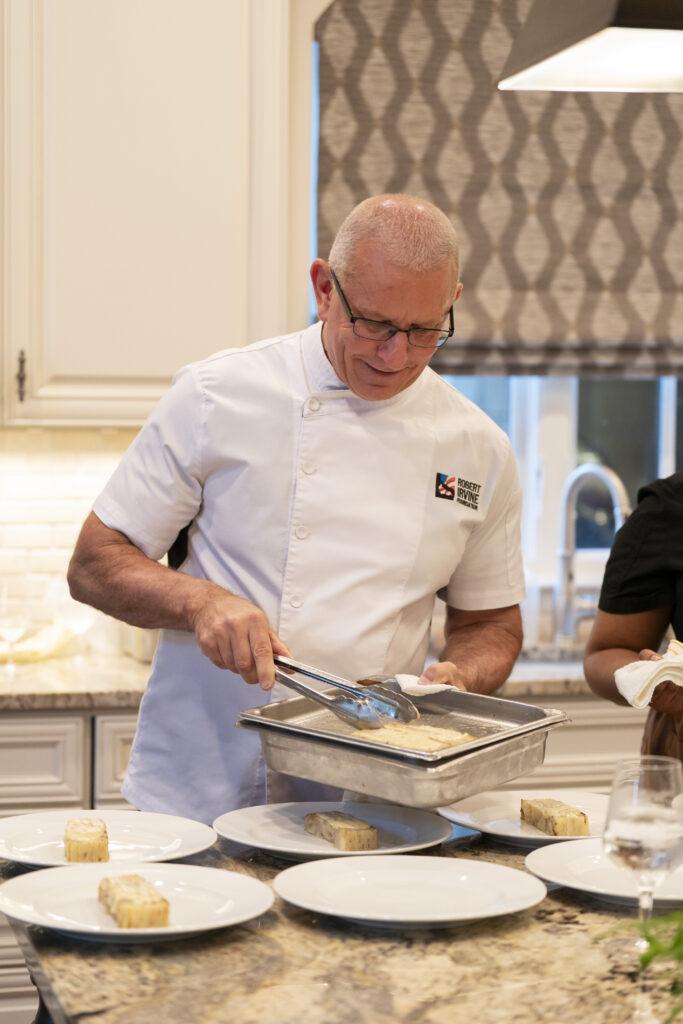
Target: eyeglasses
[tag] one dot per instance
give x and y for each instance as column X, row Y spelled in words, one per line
column 382, row 330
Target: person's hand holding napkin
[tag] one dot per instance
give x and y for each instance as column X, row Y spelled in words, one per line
column 638, row 680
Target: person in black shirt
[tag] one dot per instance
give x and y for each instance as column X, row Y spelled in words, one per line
column 641, row 597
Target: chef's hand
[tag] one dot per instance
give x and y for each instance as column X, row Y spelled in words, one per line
column 667, row 697
column 444, row 672
column 234, row 634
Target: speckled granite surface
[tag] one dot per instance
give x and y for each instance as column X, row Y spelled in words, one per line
column 90, row 681
column 97, row 681
column 546, row 679
column 551, row 964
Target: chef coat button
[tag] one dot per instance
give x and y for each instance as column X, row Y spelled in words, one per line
column 313, row 404
column 295, row 602
column 302, row 532
column 308, row 468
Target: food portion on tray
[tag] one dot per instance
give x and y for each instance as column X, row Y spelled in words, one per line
column 415, row 736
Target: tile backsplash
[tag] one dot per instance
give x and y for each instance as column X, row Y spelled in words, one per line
column 49, row 478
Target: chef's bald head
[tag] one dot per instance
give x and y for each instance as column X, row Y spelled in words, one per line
column 411, row 233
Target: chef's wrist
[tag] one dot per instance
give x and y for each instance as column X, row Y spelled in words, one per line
column 196, row 595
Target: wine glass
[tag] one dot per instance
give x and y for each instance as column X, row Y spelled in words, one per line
column 644, row 825
column 14, row 622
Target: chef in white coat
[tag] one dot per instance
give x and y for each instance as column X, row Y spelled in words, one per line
column 333, row 484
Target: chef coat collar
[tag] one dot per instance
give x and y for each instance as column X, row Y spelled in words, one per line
column 320, row 374
column 319, row 370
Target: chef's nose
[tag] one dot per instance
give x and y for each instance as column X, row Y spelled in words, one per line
column 394, row 351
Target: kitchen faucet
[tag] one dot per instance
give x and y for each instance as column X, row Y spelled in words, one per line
column 568, row 611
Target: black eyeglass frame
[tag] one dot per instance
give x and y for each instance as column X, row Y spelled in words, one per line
column 395, row 329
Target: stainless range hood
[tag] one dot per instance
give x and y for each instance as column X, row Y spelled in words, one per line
column 598, row 46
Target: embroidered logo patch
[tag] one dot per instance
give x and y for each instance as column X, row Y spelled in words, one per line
column 468, row 493
column 445, row 486
column 451, row 488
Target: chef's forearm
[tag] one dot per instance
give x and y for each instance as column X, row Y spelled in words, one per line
column 122, row 581
column 484, row 655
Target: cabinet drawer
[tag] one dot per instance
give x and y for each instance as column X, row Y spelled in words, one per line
column 44, row 762
column 113, row 740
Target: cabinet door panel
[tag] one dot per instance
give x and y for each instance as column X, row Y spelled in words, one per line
column 44, row 762
column 582, row 754
column 113, row 739
column 126, row 168
column 18, row 1002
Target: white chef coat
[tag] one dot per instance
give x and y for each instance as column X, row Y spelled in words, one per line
column 324, row 510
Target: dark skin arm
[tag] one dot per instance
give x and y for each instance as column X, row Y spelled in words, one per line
column 481, row 648
column 618, row 640
column 113, row 575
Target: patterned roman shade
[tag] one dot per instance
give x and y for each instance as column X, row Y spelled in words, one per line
column 569, row 205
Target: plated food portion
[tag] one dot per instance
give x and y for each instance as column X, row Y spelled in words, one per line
column 133, row 902
column 554, row 817
column 157, row 901
column 426, row 892
column 528, row 818
column 342, row 830
column 85, row 840
column 333, row 829
column 54, row 838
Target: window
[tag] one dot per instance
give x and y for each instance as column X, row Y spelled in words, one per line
column 492, row 394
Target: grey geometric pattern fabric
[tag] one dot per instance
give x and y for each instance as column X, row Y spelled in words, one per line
column 569, row 206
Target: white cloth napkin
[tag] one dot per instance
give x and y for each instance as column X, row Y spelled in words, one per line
column 410, row 686
column 637, row 680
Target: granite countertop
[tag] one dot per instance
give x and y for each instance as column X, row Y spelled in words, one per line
column 86, row 682
column 553, row 963
column 116, row 681
column 545, row 679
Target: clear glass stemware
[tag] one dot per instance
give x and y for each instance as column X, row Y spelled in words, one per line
column 644, row 826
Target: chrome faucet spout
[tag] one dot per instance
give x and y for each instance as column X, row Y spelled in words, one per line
column 566, row 616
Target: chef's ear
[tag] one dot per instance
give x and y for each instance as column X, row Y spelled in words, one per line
column 458, row 291
column 322, row 286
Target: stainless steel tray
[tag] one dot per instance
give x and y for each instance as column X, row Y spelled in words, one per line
column 488, row 719
column 402, row 782
column 299, row 739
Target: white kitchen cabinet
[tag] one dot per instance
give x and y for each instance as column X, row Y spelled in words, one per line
column 113, row 739
column 47, row 762
column 126, row 172
column 44, row 762
column 18, row 1002
column 582, row 754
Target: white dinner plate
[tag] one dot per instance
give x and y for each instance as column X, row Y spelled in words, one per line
column 200, row 899
column 583, row 865
column 37, row 840
column 496, row 814
column 280, row 828
column 408, row 891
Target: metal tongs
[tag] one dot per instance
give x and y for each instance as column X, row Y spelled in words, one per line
column 368, row 708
